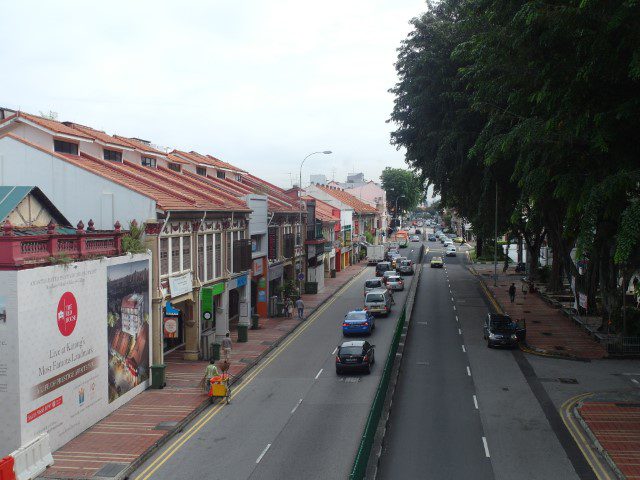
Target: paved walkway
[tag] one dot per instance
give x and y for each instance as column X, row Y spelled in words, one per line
column 548, row 329
column 113, row 444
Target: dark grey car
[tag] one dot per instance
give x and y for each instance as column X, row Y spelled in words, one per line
column 502, row 331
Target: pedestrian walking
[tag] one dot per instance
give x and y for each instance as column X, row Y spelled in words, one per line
column 289, row 307
column 209, row 372
column 512, row 292
column 300, row 307
column 226, row 346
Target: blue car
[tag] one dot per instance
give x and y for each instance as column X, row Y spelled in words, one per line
column 358, row 322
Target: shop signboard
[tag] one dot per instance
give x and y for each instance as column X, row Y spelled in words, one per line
column 74, row 346
column 257, row 268
column 180, row 284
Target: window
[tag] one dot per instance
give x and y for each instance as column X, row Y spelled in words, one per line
column 210, row 258
column 218, row 253
column 221, row 174
column 112, row 155
column 201, row 171
column 238, row 178
column 201, row 260
column 65, row 147
column 229, row 251
column 174, row 166
column 149, row 162
column 186, row 253
column 175, row 254
column 164, row 256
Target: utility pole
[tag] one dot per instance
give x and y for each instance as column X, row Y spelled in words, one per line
column 495, row 244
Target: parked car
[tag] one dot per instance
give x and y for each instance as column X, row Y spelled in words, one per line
column 436, row 262
column 415, row 238
column 378, row 302
column 432, row 237
column 373, row 284
column 355, row 355
column 406, row 267
column 358, row 322
column 387, row 274
column 395, row 282
column 501, row 330
column 451, row 251
column 382, row 267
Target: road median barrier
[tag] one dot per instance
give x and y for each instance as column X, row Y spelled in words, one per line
column 365, row 464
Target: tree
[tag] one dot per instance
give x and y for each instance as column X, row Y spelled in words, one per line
column 404, row 186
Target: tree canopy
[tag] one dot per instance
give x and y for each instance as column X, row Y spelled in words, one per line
column 404, row 186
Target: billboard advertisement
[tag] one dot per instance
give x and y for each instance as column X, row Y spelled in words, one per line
column 62, row 321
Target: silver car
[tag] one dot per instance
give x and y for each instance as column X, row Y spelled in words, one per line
column 395, row 283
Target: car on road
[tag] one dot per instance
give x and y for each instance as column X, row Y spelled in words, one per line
column 436, row 262
column 382, row 267
column 405, row 267
column 502, row 331
column 358, row 322
column 415, row 238
column 459, row 240
column 451, row 251
column 373, row 284
column 432, row 237
column 387, row 274
column 355, row 355
column 378, row 302
column 395, row 282
column 394, row 260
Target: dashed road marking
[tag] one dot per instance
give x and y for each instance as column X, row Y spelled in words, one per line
column 454, row 307
column 318, row 374
column 335, row 351
column 263, row 452
column 468, row 371
column 634, row 381
column 463, row 349
column 486, row 447
column 459, row 332
column 475, row 402
column 296, row 407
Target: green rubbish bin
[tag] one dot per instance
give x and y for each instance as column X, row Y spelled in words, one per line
column 215, row 351
column 157, row 376
column 255, row 321
column 243, row 333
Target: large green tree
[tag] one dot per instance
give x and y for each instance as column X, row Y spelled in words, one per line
column 403, row 186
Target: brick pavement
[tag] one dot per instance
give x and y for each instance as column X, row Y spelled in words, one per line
column 126, row 434
column 616, row 425
column 548, row 329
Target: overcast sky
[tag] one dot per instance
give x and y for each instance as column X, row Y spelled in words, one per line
column 259, row 84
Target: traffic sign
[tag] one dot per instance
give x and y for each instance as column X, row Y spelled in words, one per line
column 301, row 276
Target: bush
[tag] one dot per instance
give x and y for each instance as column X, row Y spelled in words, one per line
column 543, row 273
column 132, row 241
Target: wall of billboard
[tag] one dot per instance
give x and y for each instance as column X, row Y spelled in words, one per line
column 74, row 346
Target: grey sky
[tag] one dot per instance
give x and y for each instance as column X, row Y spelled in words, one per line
column 256, row 83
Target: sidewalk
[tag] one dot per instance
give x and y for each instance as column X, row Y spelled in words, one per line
column 613, row 419
column 548, row 329
column 129, row 434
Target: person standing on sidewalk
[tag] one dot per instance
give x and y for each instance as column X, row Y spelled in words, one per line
column 226, row 347
column 512, row 292
column 300, row 307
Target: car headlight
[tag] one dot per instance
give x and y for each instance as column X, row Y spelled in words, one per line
column 514, row 336
column 492, row 336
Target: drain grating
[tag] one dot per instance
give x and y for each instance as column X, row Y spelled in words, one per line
column 547, row 334
column 165, row 425
column 350, row 379
column 527, row 311
column 572, row 381
column 535, row 321
column 267, row 343
column 558, row 347
column 111, row 470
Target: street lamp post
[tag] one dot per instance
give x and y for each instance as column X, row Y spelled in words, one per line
column 325, row 152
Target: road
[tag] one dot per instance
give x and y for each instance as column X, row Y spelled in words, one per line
column 498, row 419
column 290, row 417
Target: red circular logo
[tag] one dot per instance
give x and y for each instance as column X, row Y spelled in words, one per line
column 67, row 314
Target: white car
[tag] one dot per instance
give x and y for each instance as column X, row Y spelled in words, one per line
column 451, row 251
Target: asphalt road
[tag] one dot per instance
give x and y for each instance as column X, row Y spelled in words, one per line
column 292, row 416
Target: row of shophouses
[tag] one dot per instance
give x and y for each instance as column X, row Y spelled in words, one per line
column 223, row 242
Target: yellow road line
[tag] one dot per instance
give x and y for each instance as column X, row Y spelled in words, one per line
column 583, row 444
column 184, row 438
column 491, row 298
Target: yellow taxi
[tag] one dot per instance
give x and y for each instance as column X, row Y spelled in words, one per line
column 436, row 262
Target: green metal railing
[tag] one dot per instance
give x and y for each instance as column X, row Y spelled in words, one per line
column 366, row 441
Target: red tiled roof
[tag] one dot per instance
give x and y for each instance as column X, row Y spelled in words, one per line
column 138, row 145
column 226, row 165
column 53, row 125
column 324, row 211
column 358, row 205
column 97, row 134
column 175, row 159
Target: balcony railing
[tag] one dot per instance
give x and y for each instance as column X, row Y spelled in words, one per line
column 32, row 247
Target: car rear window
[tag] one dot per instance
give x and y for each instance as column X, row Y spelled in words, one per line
column 394, row 279
column 375, row 297
column 356, row 316
column 350, row 350
column 372, row 283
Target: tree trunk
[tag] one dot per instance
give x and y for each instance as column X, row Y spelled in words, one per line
column 479, row 246
column 555, row 277
column 519, row 250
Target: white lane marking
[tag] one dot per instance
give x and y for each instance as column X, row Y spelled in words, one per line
column 475, row 402
column 457, row 318
column 634, row 380
column 486, row 447
column 334, row 352
column 468, row 371
column 454, row 307
column 463, row 350
column 296, row 407
column 459, row 332
column 263, row 452
column 318, row 374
